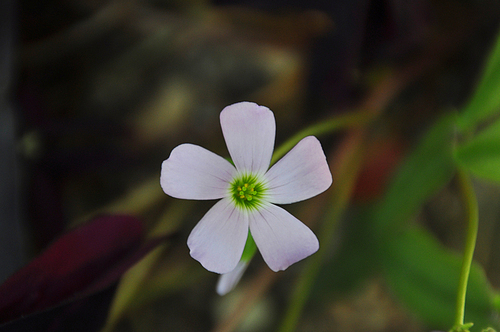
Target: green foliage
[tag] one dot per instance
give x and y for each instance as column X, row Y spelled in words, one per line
column 424, row 276
column 462, row 328
column 425, row 171
column 422, row 273
column 481, row 155
column 486, row 99
column 355, row 260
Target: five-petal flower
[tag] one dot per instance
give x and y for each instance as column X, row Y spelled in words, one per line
column 248, row 191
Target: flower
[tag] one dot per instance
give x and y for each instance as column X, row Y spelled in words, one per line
column 248, row 191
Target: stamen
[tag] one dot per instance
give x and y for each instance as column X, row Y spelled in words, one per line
column 244, row 193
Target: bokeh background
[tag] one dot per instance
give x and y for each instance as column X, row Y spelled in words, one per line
column 95, row 94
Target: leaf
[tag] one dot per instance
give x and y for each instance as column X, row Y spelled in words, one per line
column 486, row 99
column 86, row 314
column 481, row 155
column 355, row 260
column 80, row 263
column 424, row 276
column 428, row 168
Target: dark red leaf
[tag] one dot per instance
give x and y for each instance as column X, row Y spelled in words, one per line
column 81, row 262
column 86, row 314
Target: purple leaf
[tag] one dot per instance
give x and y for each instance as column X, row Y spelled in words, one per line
column 82, row 262
column 87, row 314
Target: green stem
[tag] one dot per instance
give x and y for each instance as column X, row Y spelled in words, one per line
column 469, row 198
column 250, row 249
column 341, row 194
column 325, row 126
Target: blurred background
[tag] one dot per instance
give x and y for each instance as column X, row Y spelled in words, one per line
column 95, row 94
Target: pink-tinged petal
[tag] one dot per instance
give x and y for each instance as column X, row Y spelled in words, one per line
column 249, row 131
column 192, row 172
column 301, row 174
column 217, row 241
column 281, row 238
column 228, row 281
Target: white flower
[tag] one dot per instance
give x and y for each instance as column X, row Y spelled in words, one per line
column 248, row 191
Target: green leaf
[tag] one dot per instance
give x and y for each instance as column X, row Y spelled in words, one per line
column 355, row 260
column 481, row 155
column 486, row 99
column 424, row 276
column 427, row 169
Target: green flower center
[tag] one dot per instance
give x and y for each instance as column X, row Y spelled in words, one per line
column 247, row 191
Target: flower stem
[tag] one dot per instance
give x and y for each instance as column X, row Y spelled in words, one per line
column 349, row 164
column 325, row 126
column 250, row 248
column 469, row 198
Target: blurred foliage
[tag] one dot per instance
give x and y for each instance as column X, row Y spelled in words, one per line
column 485, row 102
column 106, row 89
column 481, row 154
column 427, row 169
column 424, row 275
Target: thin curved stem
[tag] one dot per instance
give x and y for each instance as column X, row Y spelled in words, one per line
column 323, row 127
column 350, row 119
column 347, row 175
column 469, row 198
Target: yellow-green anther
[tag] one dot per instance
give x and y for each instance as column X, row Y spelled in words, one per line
column 243, row 191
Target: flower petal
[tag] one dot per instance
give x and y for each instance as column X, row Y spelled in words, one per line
column 228, row 281
column 281, row 238
column 249, row 131
column 192, row 172
column 217, row 241
column 301, row 174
